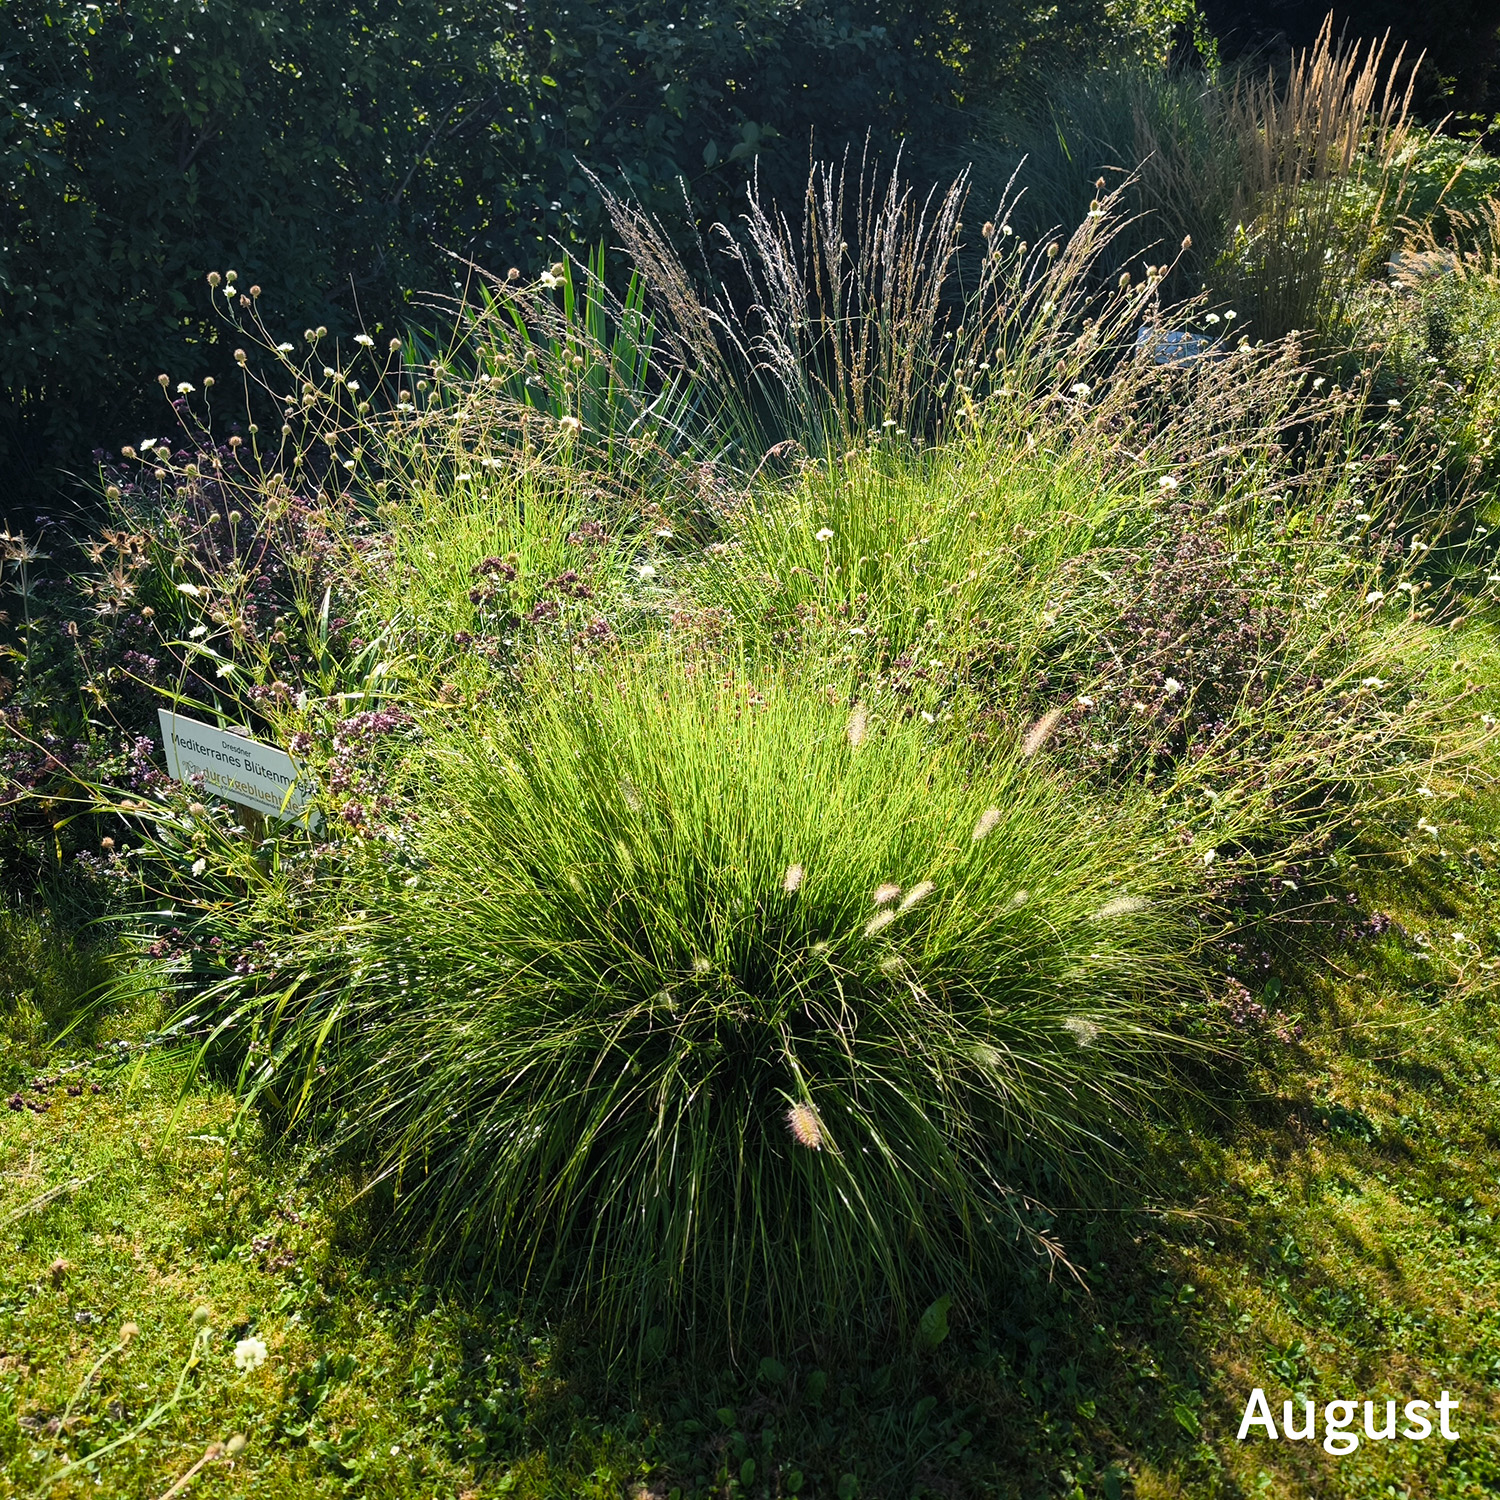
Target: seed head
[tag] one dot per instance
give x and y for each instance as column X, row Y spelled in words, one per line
column 916, row 893
column 1040, row 732
column 129, row 1331
column 881, row 919
column 858, row 720
column 885, row 894
column 1084, row 1031
column 1121, row 906
column 806, row 1127
column 986, row 824
column 793, row 882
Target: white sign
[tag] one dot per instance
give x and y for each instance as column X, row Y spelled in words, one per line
column 235, row 767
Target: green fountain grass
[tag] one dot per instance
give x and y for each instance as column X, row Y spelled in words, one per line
column 727, row 1008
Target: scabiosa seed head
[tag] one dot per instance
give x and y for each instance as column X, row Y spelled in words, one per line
column 806, row 1127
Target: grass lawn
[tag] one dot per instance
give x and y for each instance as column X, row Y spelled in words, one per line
column 1324, row 1222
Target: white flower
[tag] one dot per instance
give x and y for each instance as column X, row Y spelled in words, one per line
column 249, row 1354
column 1080, row 390
column 1085, row 701
column 549, row 281
column 364, row 340
column 645, row 572
column 1394, row 404
column 1230, row 316
column 824, row 535
column 1425, row 791
column 1374, row 597
column 148, row 443
column 1167, row 482
column 1423, row 826
column 889, row 422
column 464, row 477
column 330, row 373
column 663, row 531
column 199, row 866
column 284, row 348
column 197, row 632
column 1320, row 382
column 184, row 388
column 1210, row 855
column 1371, row 682
column 353, row 385
column 569, row 424
column 1211, row 318
column 1171, row 687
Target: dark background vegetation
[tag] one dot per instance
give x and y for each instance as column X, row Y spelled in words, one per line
column 337, row 154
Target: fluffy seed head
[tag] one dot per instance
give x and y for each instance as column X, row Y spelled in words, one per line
column 916, row 893
column 806, row 1127
column 1040, row 732
column 987, row 820
column 886, row 893
column 858, row 721
column 1084, row 1031
column 882, row 918
column 1121, row 906
column 793, row 882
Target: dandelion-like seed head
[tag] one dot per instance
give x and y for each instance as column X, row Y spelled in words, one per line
column 793, row 881
column 986, row 824
column 249, row 1354
column 886, row 892
column 806, row 1127
column 823, row 534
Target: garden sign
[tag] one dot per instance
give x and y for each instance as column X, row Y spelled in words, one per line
column 237, row 768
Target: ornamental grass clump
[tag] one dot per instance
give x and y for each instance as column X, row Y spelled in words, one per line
column 718, row 1007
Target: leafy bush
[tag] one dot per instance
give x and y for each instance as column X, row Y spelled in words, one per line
column 334, row 153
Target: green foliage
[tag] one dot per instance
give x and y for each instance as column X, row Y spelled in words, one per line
column 723, row 1006
column 333, row 152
